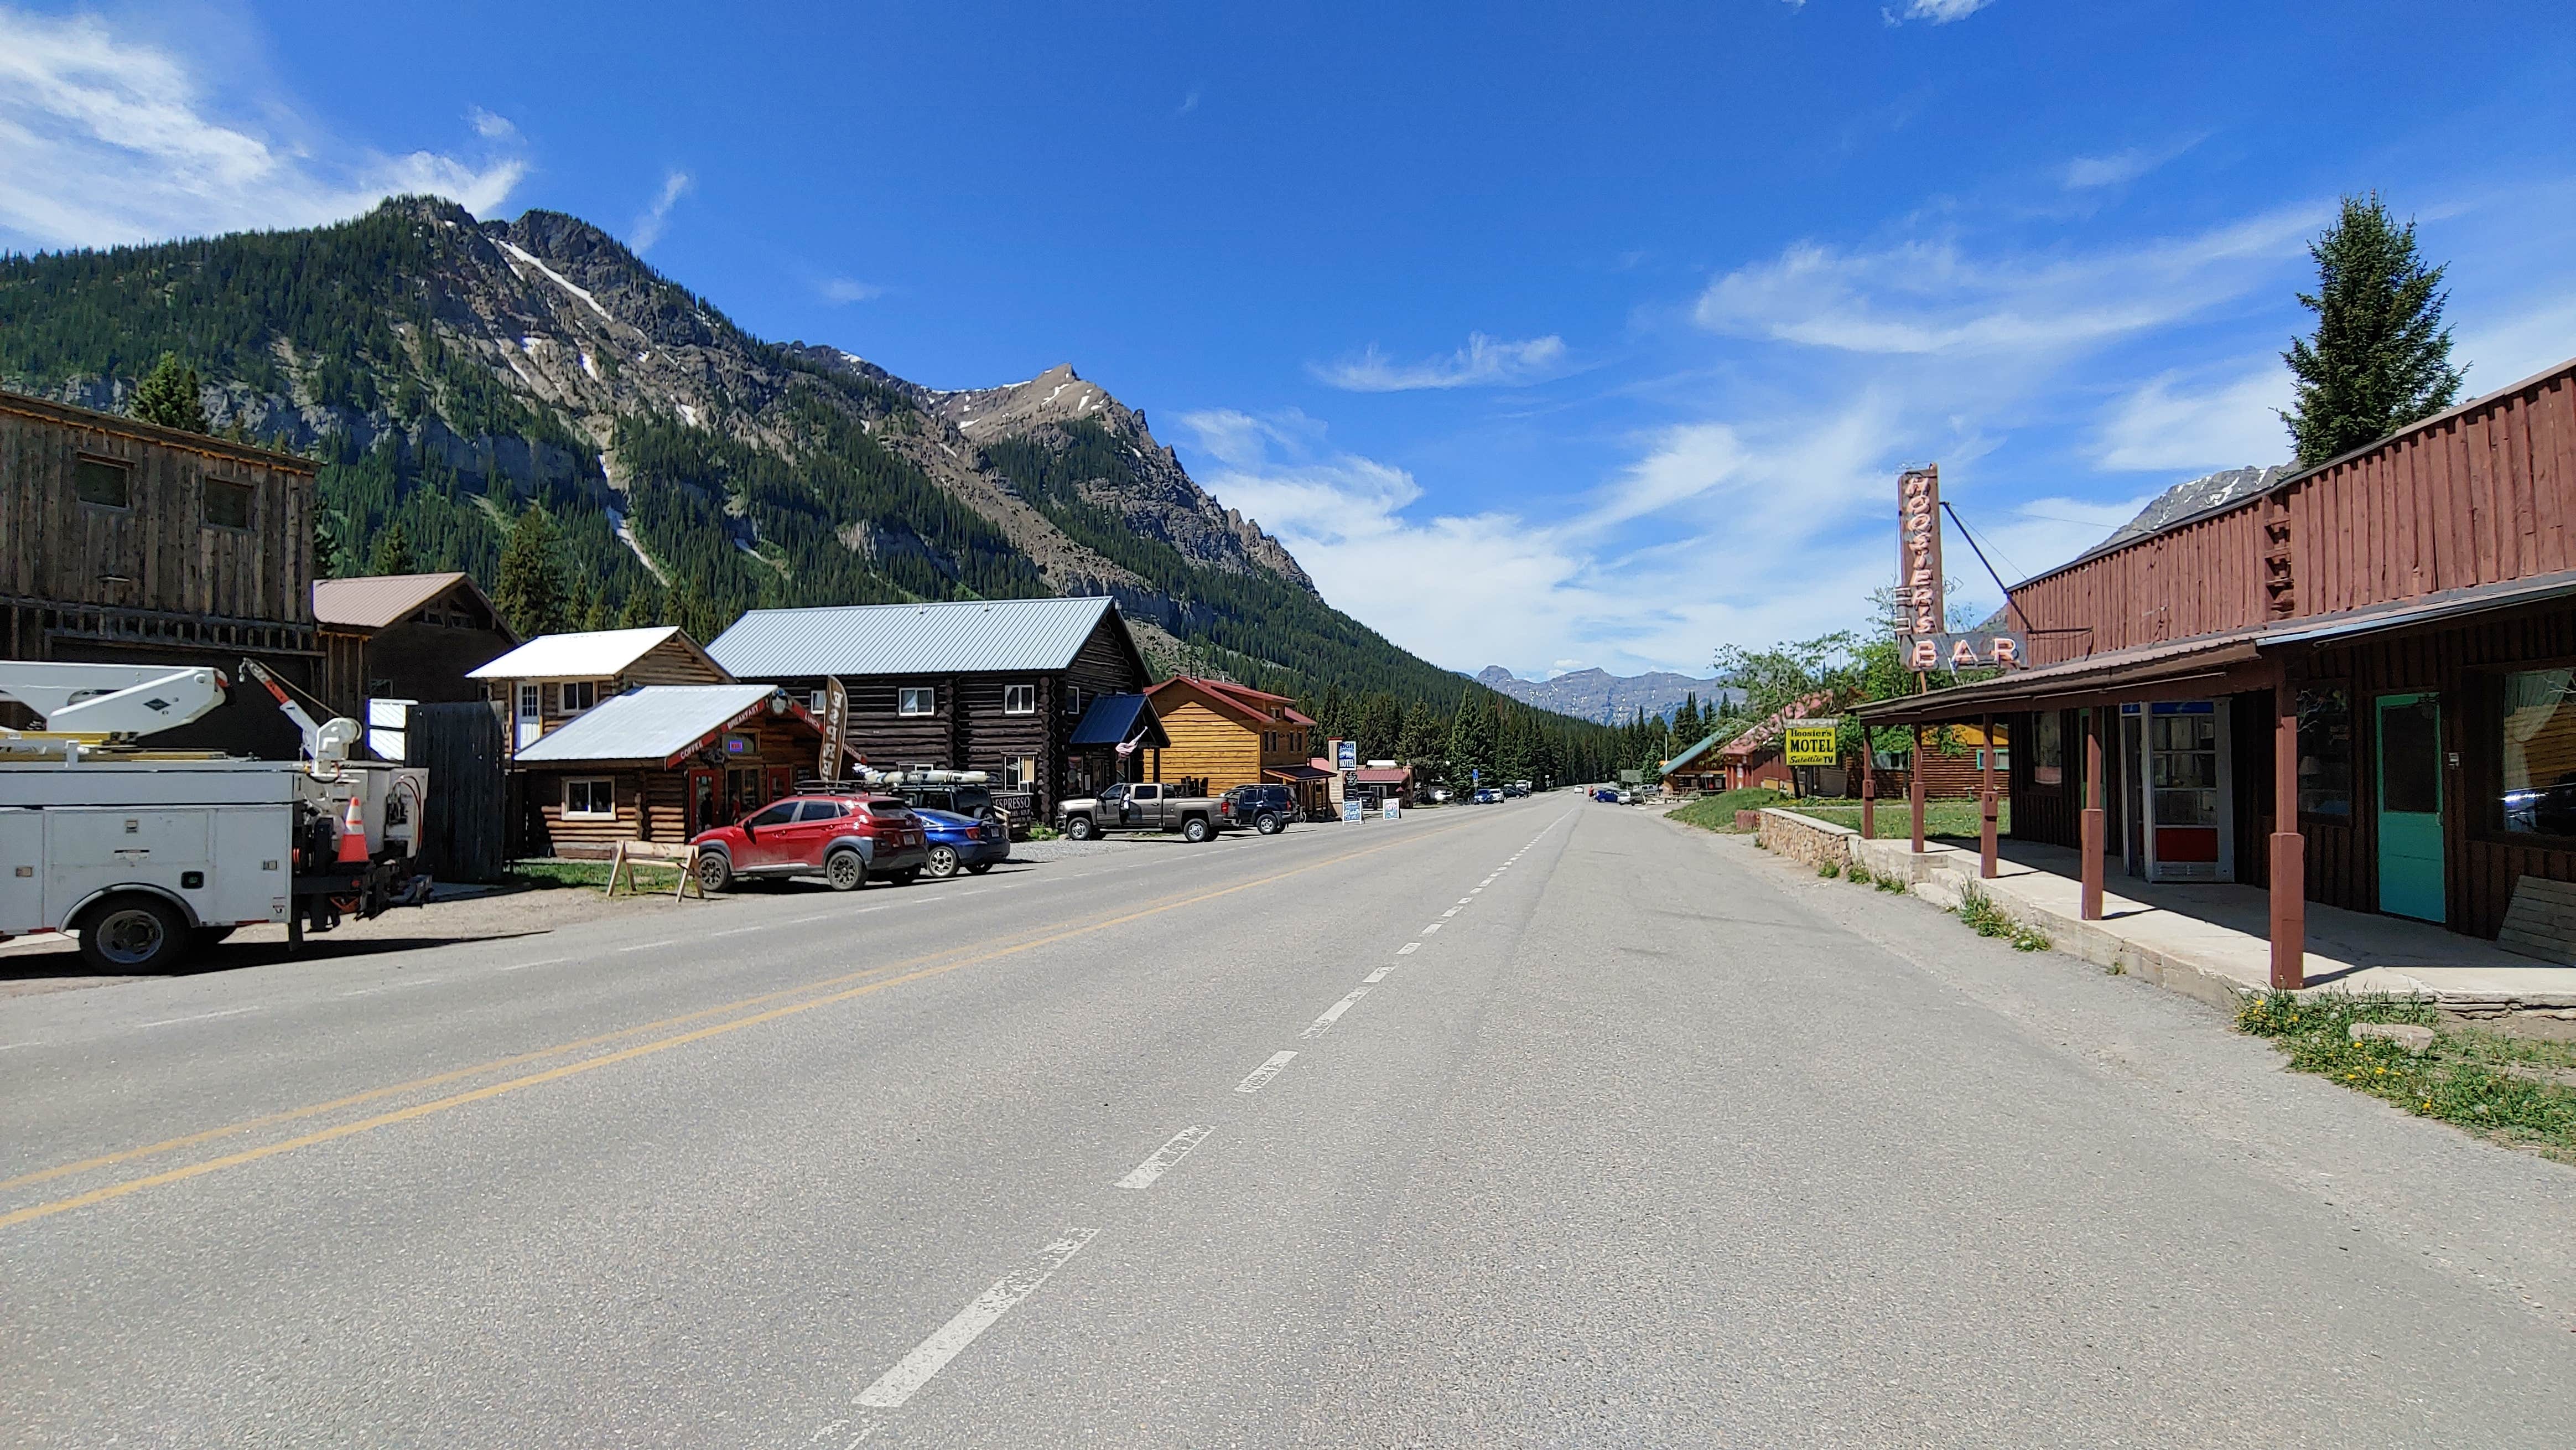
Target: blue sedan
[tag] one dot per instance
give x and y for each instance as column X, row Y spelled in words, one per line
column 962, row 843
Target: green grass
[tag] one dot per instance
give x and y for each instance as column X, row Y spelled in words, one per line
column 1979, row 912
column 1895, row 821
column 2492, row 1085
column 554, row 875
column 1717, row 812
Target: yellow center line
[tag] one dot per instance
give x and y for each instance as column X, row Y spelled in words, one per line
column 626, row 1054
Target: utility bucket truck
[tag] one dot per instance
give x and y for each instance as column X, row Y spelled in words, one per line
column 146, row 855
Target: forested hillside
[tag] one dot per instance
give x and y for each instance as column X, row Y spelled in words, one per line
column 527, row 401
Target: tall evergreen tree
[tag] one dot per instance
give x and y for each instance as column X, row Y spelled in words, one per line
column 2380, row 358
column 1426, row 736
column 531, row 593
column 392, row 553
column 645, row 606
column 169, row 396
column 1471, row 739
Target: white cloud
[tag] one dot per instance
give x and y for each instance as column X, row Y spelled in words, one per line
column 2085, row 173
column 648, row 226
column 1483, row 361
column 2502, row 351
column 1926, row 297
column 491, row 127
column 105, row 138
column 1942, row 12
column 2165, row 424
column 1189, row 102
column 846, row 290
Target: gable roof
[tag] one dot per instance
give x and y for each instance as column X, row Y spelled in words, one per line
column 1694, row 753
column 1769, row 729
column 375, row 601
column 591, row 654
column 1239, row 700
column 971, row 636
column 656, row 723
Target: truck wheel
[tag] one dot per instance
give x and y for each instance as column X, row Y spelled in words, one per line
column 845, row 871
column 134, row 935
column 1196, row 829
column 715, row 871
column 1268, row 823
column 1080, row 829
column 942, row 863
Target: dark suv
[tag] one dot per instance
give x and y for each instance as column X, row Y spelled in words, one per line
column 1265, row 808
column 845, row 839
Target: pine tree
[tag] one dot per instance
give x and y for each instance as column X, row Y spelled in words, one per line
column 169, row 395
column 645, row 606
column 530, row 592
column 392, row 554
column 2380, row 358
column 326, row 547
column 1425, row 736
column 1471, row 739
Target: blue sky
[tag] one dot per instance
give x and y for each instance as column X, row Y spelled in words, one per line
column 1547, row 336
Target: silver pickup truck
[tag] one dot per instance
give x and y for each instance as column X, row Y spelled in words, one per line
column 1140, row 807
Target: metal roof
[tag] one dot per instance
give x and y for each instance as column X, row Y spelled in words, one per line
column 653, row 723
column 1694, row 753
column 963, row 637
column 594, row 654
column 379, row 600
column 1113, row 720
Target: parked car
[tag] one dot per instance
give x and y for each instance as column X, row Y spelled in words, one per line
column 1605, row 795
column 1265, row 808
column 964, row 800
column 1145, row 806
column 1517, row 788
column 1489, row 796
column 1438, row 795
column 962, row 843
column 845, row 839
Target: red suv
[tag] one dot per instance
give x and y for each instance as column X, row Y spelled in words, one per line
column 845, row 839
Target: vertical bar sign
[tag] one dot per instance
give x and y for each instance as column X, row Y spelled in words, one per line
column 836, row 718
column 1918, row 567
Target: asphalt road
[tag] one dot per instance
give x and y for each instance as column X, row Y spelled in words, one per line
column 1549, row 1123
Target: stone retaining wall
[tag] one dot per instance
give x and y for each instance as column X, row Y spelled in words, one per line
column 1804, row 838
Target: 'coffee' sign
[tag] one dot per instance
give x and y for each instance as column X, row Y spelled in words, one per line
column 1918, row 567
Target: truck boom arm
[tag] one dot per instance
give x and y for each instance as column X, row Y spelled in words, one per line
column 100, row 701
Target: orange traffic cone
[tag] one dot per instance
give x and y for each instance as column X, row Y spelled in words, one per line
column 353, row 835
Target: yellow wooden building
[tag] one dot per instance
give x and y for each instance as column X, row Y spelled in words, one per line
column 1227, row 735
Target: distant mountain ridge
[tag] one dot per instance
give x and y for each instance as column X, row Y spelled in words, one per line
column 1608, row 699
column 451, row 372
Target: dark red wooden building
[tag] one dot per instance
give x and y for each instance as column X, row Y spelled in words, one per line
column 2365, row 672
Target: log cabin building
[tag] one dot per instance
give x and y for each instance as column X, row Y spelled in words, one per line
column 123, row 542
column 1228, row 735
column 2355, row 686
column 1004, row 686
column 661, row 764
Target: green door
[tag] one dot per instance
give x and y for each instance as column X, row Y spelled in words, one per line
column 2410, row 806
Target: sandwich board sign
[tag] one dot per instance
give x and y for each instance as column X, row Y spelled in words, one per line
column 1811, row 742
column 1353, row 812
column 1391, row 811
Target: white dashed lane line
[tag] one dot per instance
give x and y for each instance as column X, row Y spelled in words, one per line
column 1164, row 1157
column 1408, row 949
column 1262, row 1075
column 1377, row 976
column 932, row 1355
column 1333, row 1014
column 1428, row 930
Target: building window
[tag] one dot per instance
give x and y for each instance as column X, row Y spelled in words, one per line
column 1072, row 700
column 2048, row 748
column 227, row 504
column 579, row 695
column 103, row 482
column 2325, row 754
column 817, row 701
column 2538, row 752
column 917, row 700
column 592, row 798
column 1020, row 772
column 1019, row 699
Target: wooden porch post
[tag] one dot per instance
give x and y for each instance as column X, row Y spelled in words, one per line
column 1914, row 789
column 1986, row 809
column 2093, row 819
column 1868, row 793
column 2289, row 889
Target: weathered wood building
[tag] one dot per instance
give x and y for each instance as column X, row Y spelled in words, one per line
column 405, row 637
column 2356, row 686
column 661, row 764
column 1001, row 685
column 125, row 542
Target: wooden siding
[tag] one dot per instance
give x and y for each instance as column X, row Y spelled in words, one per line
column 1208, row 744
column 159, row 553
column 2481, row 496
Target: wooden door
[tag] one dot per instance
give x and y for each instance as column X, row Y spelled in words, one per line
column 2410, row 806
column 706, row 801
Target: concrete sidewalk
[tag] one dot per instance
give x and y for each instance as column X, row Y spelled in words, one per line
column 2207, row 941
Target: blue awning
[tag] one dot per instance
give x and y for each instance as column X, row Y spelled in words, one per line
column 1117, row 719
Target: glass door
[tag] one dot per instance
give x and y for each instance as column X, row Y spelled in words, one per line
column 2410, row 806
column 2186, row 793
column 531, row 723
